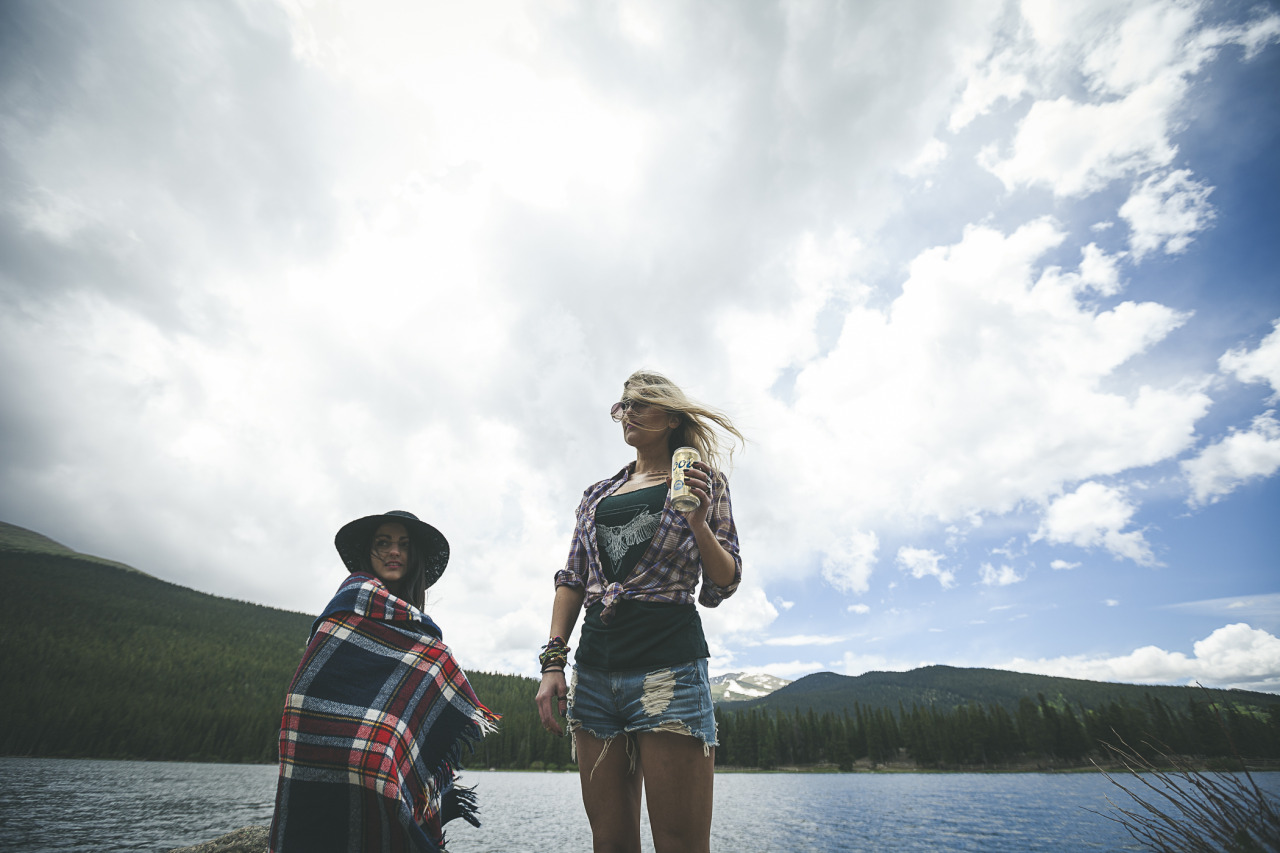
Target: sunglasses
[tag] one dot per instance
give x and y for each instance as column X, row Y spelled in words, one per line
column 623, row 407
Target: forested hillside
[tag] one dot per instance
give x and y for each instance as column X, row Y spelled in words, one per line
column 946, row 687
column 97, row 659
column 1039, row 734
column 100, row 660
column 947, row 717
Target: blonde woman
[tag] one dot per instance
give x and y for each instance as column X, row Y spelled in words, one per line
column 640, row 674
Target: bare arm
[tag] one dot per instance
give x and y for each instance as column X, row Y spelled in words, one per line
column 554, row 688
column 564, row 613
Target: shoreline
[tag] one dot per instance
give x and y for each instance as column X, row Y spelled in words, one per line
column 1211, row 765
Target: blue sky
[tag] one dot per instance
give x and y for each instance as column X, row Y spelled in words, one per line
column 989, row 286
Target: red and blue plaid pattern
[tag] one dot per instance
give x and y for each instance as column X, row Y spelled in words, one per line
column 669, row 569
column 374, row 725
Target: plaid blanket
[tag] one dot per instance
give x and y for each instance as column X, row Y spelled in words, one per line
column 374, row 725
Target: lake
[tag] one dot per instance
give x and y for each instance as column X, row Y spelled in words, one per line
column 55, row 804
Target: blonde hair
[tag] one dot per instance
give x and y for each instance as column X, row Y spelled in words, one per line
column 707, row 430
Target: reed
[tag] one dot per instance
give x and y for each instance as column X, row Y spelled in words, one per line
column 1177, row 808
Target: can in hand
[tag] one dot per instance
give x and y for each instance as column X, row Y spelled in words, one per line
column 682, row 499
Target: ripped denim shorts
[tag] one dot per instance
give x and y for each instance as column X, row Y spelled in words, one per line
column 671, row 699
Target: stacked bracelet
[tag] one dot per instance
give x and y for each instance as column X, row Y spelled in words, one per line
column 555, row 655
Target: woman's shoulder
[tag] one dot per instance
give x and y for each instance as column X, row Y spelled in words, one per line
column 600, row 485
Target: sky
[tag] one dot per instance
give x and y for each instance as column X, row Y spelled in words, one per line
column 990, row 287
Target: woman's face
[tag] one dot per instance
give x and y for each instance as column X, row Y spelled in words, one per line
column 644, row 424
column 389, row 553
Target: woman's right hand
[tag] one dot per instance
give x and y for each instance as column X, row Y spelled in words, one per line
column 552, row 698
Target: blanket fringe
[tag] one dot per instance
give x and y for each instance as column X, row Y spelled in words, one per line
column 460, row 802
column 461, row 798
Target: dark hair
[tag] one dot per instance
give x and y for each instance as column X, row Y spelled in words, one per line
column 413, row 588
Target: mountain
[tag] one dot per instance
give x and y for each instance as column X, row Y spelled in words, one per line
column 740, row 686
column 947, row 687
column 19, row 540
column 100, row 660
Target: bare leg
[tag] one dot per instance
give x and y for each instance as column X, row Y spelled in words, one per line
column 611, row 793
column 678, row 781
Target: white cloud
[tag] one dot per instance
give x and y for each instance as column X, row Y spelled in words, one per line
column 1166, row 210
column 1111, row 602
column 1260, row 610
column 922, row 563
column 791, row 669
column 1253, row 35
column 848, row 562
column 1003, row 576
column 459, row 84
column 998, row 81
column 933, row 153
column 859, row 664
column 1261, row 364
column 1077, row 148
column 1063, row 565
column 1098, row 271
column 1242, row 456
column 859, row 609
column 1152, row 40
column 1235, row 655
column 805, row 640
column 964, row 422
column 1137, row 61
column 1095, row 515
column 748, row 612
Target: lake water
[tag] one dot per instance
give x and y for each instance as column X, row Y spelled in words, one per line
column 52, row 804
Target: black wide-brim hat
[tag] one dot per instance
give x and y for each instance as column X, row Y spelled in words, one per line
column 355, row 537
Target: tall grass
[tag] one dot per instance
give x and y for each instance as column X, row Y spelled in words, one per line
column 1175, row 808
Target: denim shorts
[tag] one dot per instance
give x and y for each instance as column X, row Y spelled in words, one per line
column 671, row 699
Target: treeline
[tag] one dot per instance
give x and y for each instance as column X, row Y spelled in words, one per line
column 973, row 735
column 98, row 661
column 951, row 687
column 520, row 742
column 101, row 662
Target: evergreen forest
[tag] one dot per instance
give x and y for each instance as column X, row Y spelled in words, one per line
column 1039, row 735
column 99, row 660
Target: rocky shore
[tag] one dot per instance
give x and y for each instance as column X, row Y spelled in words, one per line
column 250, row 839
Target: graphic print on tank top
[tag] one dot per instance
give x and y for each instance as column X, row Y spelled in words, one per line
column 625, row 525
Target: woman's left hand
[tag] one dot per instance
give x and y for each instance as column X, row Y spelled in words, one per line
column 718, row 565
column 698, row 478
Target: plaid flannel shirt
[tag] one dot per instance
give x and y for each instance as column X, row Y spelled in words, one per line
column 669, row 569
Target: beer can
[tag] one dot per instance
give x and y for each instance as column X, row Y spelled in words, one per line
column 682, row 499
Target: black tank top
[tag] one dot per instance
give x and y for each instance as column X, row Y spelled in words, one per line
column 641, row 634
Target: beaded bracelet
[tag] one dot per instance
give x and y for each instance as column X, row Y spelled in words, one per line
column 555, row 653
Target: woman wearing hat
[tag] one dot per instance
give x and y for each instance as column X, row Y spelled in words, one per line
column 641, row 664
column 378, row 713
